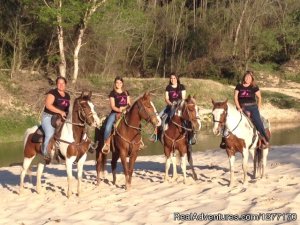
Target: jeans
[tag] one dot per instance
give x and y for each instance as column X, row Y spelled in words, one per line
column 48, row 130
column 109, row 124
column 255, row 116
column 169, row 111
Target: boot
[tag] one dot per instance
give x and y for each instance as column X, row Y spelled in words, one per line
column 106, row 147
column 223, row 143
column 264, row 143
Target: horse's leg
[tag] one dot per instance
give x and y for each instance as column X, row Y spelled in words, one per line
column 245, row 164
column 231, row 164
column 190, row 160
column 79, row 173
column 265, row 153
column 174, row 164
column 167, row 167
column 26, row 165
column 183, row 167
column 40, row 170
column 99, row 166
column 167, row 163
column 125, row 168
column 132, row 160
column 114, row 160
column 254, row 154
column 69, row 163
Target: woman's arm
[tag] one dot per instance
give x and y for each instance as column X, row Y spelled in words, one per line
column 183, row 94
column 113, row 105
column 236, row 100
column 167, row 98
column 49, row 105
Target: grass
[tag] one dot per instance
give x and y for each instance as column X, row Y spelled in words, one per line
column 13, row 123
column 281, row 101
column 13, row 126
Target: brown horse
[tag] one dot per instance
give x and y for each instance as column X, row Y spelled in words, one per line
column 175, row 137
column 127, row 138
column 71, row 141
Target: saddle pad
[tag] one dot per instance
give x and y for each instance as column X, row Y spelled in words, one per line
column 38, row 135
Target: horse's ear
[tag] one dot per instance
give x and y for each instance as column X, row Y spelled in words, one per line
column 90, row 94
column 146, row 95
column 226, row 101
column 82, row 94
column 213, row 102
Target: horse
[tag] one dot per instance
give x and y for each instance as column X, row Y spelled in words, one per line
column 175, row 137
column 70, row 143
column 241, row 136
column 127, row 139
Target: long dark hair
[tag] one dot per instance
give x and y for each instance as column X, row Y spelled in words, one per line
column 120, row 79
column 178, row 88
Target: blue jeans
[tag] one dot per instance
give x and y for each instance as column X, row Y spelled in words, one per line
column 48, row 130
column 109, row 124
column 170, row 111
column 255, row 116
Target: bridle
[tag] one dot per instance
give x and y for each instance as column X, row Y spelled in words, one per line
column 186, row 110
column 141, row 108
column 82, row 115
column 223, row 119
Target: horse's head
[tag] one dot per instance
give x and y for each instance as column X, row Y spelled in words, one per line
column 147, row 110
column 219, row 113
column 85, row 109
column 188, row 110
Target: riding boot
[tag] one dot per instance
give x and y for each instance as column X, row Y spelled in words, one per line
column 263, row 142
column 106, row 147
column 223, row 143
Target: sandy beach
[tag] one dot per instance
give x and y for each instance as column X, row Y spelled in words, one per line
column 152, row 201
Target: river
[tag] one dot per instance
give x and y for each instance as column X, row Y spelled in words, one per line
column 282, row 134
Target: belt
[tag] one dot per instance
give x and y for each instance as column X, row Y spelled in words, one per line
column 249, row 104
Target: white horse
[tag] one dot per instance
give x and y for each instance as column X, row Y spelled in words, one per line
column 241, row 135
column 72, row 144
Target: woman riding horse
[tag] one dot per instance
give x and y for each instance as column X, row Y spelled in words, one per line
column 119, row 100
column 175, row 92
column 57, row 102
column 127, row 138
column 245, row 96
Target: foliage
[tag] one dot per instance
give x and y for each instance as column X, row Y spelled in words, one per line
column 152, row 38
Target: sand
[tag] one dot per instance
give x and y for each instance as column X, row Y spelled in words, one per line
column 275, row 198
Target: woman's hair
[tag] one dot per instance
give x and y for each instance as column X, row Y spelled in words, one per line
column 248, row 72
column 60, row 78
column 116, row 79
column 177, row 77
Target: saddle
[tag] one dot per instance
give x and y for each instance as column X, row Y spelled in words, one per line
column 39, row 135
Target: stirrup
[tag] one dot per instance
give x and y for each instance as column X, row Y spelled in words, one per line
column 106, row 149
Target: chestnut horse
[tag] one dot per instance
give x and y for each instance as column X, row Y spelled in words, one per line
column 241, row 136
column 72, row 143
column 175, row 137
column 127, row 138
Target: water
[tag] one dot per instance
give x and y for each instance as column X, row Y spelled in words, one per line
column 282, row 134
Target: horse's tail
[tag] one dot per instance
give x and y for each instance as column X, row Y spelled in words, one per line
column 27, row 133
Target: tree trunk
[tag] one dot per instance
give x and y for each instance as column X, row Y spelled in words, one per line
column 87, row 16
column 238, row 30
column 60, row 37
